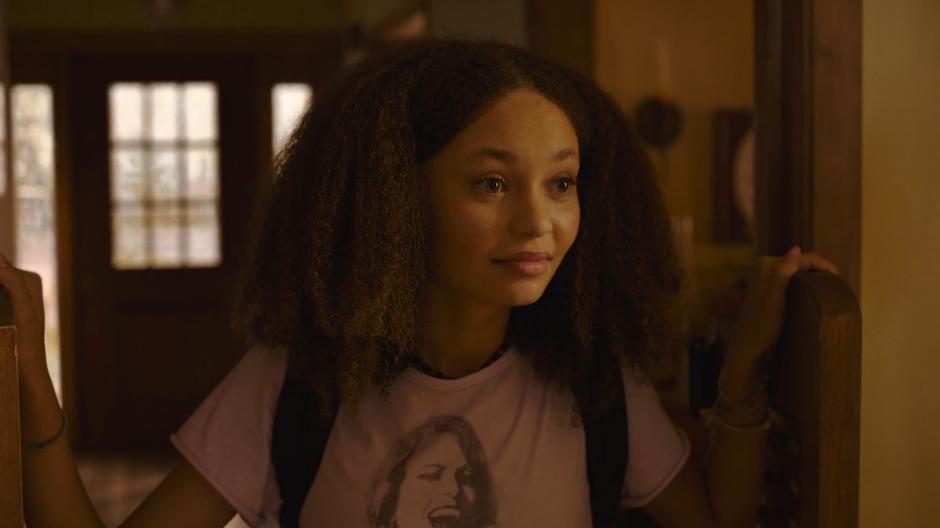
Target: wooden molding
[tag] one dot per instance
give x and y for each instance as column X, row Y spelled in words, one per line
column 11, row 478
column 808, row 122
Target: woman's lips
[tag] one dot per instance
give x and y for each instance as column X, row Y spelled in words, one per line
column 529, row 268
column 444, row 517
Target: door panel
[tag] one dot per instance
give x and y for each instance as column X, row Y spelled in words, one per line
column 152, row 342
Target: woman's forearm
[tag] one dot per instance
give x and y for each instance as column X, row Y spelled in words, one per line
column 736, row 459
column 53, row 493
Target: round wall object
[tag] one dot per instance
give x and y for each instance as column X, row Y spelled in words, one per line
column 658, row 122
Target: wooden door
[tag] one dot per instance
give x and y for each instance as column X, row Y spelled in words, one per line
column 151, row 327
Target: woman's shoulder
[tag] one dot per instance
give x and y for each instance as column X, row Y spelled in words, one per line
column 227, row 438
column 658, row 448
column 265, row 356
column 261, row 365
column 250, row 387
column 635, row 379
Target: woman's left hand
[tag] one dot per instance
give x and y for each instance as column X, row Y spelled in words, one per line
column 761, row 318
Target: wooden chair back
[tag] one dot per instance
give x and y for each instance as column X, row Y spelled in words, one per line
column 814, row 387
column 11, row 476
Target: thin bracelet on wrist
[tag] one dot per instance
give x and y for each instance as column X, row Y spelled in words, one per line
column 710, row 416
column 44, row 443
column 724, row 404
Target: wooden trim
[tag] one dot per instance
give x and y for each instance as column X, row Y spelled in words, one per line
column 7, row 218
column 815, row 386
column 808, row 193
column 837, row 124
column 11, row 478
column 576, row 49
column 65, row 241
column 729, row 127
column 808, row 117
column 11, row 463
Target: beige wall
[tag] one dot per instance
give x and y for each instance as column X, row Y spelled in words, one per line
column 711, row 50
column 900, row 467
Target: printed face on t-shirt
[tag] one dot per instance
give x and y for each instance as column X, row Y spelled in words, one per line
column 435, row 477
column 504, row 185
column 435, row 490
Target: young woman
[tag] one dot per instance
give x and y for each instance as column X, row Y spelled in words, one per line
column 459, row 234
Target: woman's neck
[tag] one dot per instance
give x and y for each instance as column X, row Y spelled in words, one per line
column 458, row 336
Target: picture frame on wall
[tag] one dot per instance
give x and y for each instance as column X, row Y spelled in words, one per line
column 733, row 175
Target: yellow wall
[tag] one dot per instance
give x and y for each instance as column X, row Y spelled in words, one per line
column 711, row 50
column 900, row 466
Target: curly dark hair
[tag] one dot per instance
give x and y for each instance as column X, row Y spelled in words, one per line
column 341, row 256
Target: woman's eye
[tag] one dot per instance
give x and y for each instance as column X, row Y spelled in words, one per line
column 565, row 184
column 431, row 475
column 493, row 185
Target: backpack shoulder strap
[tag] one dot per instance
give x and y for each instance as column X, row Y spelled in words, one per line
column 298, row 440
column 607, row 447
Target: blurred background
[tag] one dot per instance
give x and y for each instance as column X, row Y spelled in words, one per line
column 137, row 134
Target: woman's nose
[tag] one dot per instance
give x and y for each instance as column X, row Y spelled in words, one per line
column 531, row 216
column 450, row 485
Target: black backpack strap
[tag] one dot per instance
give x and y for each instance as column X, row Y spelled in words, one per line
column 607, row 447
column 298, row 440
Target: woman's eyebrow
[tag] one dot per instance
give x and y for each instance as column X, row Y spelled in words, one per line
column 507, row 156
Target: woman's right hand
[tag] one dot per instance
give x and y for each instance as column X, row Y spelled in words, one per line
column 25, row 288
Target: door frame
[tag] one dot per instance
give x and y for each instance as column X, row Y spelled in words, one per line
column 46, row 57
column 808, row 107
column 808, row 166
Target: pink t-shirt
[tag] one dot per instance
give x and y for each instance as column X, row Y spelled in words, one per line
column 498, row 446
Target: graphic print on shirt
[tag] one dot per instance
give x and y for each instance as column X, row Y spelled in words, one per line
column 435, row 477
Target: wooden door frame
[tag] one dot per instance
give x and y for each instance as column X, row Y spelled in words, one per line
column 808, row 84
column 7, row 225
column 45, row 57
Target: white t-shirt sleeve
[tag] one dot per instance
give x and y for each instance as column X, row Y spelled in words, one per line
column 228, row 438
column 658, row 448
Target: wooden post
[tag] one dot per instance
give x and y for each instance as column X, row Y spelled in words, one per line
column 11, row 475
column 7, row 219
column 808, row 121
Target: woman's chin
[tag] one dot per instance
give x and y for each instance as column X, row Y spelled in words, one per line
column 524, row 296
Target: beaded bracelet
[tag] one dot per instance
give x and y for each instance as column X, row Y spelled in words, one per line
column 44, row 443
column 724, row 403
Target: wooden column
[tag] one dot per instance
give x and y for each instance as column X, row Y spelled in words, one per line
column 7, row 224
column 808, row 120
column 11, row 475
